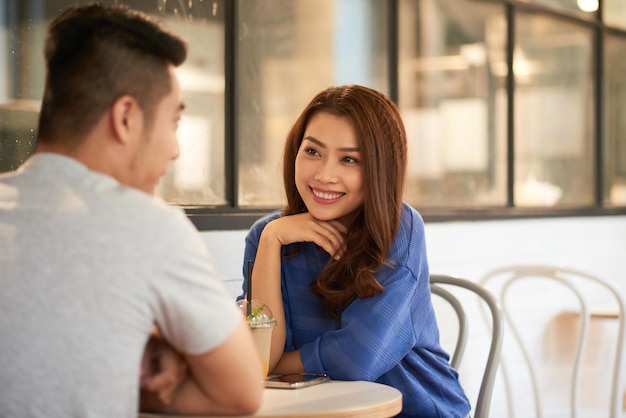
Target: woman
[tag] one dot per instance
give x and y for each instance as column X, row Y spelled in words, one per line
column 343, row 267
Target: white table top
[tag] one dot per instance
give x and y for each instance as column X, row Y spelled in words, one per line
column 332, row 399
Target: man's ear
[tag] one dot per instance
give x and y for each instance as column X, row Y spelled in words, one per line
column 126, row 118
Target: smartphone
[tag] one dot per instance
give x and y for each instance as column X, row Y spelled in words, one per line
column 295, row 380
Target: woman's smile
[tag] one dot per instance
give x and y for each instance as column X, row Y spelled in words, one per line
column 325, row 197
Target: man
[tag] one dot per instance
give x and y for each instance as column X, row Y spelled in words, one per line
column 90, row 261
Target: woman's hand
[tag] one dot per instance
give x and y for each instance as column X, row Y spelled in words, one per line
column 302, row 227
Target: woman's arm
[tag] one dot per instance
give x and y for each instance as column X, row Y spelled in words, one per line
column 290, row 362
column 266, row 288
column 266, row 274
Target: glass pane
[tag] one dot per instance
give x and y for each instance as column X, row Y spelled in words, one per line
column 197, row 177
column 615, row 104
column 289, row 50
column 582, row 7
column 453, row 100
column 21, row 82
column 614, row 12
column 554, row 108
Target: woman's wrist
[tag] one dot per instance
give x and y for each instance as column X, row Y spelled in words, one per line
column 269, row 237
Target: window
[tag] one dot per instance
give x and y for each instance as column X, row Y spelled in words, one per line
column 554, row 112
column 197, row 177
column 452, row 95
column 512, row 108
column 614, row 190
column 287, row 51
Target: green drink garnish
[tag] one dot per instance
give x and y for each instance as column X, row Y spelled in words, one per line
column 255, row 313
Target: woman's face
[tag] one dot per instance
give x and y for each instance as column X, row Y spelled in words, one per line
column 329, row 171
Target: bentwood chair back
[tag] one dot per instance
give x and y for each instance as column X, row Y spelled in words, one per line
column 566, row 362
column 447, row 287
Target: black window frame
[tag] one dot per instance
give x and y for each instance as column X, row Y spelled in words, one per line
column 232, row 217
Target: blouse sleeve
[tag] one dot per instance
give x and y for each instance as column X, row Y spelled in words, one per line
column 377, row 332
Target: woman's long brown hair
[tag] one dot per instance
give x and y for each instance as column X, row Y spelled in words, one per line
column 382, row 141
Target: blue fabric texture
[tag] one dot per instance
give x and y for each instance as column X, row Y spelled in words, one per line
column 390, row 338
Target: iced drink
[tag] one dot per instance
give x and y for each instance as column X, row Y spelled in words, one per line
column 261, row 323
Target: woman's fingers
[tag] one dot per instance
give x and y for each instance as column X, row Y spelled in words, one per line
column 332, row 239
column 329, row 235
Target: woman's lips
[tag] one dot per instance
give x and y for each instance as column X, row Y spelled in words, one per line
column 325, row 196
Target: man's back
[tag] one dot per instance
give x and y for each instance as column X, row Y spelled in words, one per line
column 87, row 267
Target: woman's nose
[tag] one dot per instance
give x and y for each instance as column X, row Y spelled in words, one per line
column 327, row 173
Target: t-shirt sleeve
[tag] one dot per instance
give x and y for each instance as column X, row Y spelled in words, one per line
column 193, row 307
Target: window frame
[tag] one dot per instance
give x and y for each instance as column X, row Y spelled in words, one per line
column 232, row 217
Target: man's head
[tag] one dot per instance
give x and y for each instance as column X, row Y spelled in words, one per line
column 112, row 99
column 95, row 55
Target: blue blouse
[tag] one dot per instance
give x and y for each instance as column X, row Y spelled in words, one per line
column 390, row 338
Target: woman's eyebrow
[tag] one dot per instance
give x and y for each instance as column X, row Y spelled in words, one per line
column 322, row 145
column 315, row 141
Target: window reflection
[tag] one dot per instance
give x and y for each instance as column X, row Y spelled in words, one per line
column 452, row 69
column 554, row 109
column 198, row 176
column 614, row 13
column 615, row 121
column 582, row 7
column 289, row 50
column 451, row 72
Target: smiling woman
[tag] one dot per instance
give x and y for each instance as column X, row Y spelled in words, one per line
column 343, row 266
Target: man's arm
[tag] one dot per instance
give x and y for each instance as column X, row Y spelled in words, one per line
column 226, row 380
column 163, row 370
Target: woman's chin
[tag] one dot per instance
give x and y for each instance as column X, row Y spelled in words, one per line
column 322, row 216
column 344, row 218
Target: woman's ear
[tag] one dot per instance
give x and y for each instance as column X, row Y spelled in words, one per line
column 126, row 119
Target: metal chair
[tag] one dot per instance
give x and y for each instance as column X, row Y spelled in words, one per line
column 442, row 285
column 580, row 287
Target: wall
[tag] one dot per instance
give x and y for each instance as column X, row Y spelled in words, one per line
column 470, row 249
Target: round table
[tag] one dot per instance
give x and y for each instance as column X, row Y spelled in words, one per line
column 331, row 399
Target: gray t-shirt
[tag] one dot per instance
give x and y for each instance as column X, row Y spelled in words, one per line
column 87, row 266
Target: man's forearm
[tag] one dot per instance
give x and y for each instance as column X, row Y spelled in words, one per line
column 188, row 399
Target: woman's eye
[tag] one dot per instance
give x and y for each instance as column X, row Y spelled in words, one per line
column 350, row 160
column 311, row 151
